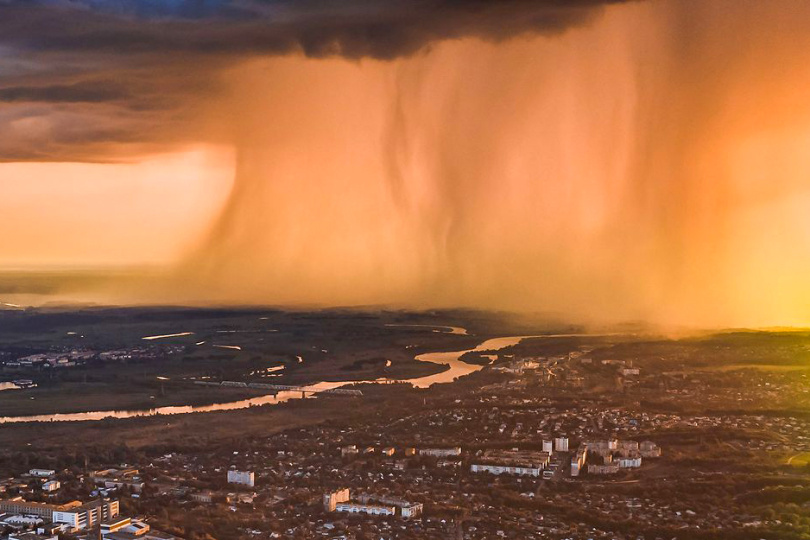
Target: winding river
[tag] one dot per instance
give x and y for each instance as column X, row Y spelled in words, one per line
column 457, row 369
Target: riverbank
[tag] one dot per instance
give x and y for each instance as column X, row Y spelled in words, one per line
column 448, row 361
column 79, row 397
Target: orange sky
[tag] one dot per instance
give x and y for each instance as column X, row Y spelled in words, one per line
column 85, row 215
column 648, row 163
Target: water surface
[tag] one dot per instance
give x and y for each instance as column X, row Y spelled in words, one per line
column 457, row 368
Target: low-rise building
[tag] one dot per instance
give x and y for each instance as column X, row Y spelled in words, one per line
column 21, row 521
column 118, row 478
column 206, row 497
column 114, row 525
column 629, row 463
column 18, row 505
column 51, row 485
column 649, row 449
column 411, row 510
column 607, row 468
column 131, row 529
column 31, row 536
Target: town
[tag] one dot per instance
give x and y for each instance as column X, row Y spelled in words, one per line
column 562, row 438
column 404, row 270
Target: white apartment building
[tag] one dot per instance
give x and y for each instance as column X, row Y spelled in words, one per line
column 520, row 470
column 87, row 515
column 578, row 460
column 440, row 452
column 245, row 478
column 75, row 519
column 371, row 509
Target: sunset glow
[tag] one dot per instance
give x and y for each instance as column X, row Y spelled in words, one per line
column 144, row 212
column 404, row 269
column 600, row 169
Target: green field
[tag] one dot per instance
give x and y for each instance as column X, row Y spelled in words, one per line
column 252, row 345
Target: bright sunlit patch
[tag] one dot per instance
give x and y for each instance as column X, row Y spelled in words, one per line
column 144, row 212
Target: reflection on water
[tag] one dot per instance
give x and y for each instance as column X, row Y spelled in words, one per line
column 164, row 336
column 234, row 347
column 442, row 329
column 280, row 397
column 457, row 369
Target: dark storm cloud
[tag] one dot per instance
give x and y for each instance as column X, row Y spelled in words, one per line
column 82, row 92
column 158, row 61
column 353, row 28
